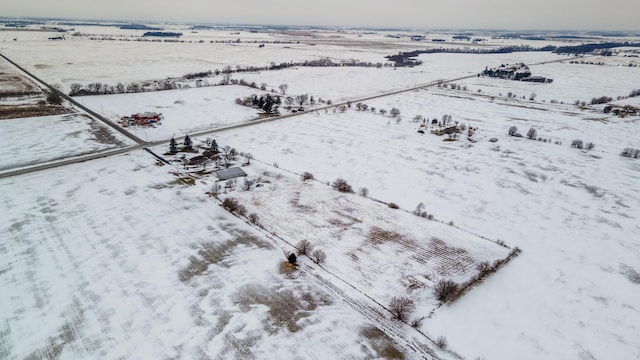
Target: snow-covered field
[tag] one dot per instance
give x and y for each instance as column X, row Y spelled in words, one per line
column 90, row 270
column 572, row 293
column 184, row 111
column 115, row 258
column 358, row 235
column 46, row 139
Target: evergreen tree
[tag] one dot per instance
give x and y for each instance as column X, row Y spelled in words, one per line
column 214, row 146
column 173, row 148
column 268, row 104
column 188, row 144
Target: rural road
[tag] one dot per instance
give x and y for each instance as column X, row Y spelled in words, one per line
column 140, row 144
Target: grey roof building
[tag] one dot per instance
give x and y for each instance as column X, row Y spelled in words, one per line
column 230, row 173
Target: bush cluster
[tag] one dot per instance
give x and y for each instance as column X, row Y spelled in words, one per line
column 342, row 185
column 232, row 205
column 630, row 153
column 446, row 290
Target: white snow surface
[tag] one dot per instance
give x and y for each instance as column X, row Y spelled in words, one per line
column 184, row 111
column 118, row 261
column 573, row 292
column 45, row 139
column 115, row 259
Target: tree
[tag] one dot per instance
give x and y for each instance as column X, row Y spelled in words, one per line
column 532, row 133
column 419, row 211
column 188, row 144
column 395, row 112
column 75, row 89
column 319, row 256
column 382, row 112
column 253, row 218
column 248, row 156
column 173, row 147
column 304, row 247
column 512, row 131
column 232, row 205
column 292, row 258
column 577, row 143
column 590, row 146
column 630, row 153
column 301, row 99
column 227, row 75
column 401, row 307
column 53, row 97
column 306, row 176
column 342, row 185
column 226, row 150
column 283, row 88
column 364, row 191
column 442, row 342
column 445, row 290
column 213, row 147
column 247, row 184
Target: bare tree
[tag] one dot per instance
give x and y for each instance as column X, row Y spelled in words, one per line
column 288, row 101
column 401, row 307
column 75, row 88
column 445, row 290
column 442, row 342
column 304, row 247
column 532, row 133
column 301, row 99
column 254, row 219
column 512, row 131
column 419, row 211
column 283, row 88
column 395, row 112
column 226, row 79
column 319, row 256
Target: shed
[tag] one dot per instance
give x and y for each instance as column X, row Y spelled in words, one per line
column 230, row 173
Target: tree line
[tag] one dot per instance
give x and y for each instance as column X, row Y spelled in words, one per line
column 98, row 88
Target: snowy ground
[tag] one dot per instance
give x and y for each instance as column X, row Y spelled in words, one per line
column 47, row 139
column 572, row 212
column 184, row 111
column 357, row 234
column 89, row 270
column 114, row 258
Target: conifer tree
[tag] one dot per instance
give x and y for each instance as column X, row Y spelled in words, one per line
column 173, row 148
column 188, row 144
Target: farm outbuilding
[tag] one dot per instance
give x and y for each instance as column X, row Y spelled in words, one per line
column 230, row 173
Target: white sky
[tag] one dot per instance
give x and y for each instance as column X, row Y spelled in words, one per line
column 457, row 14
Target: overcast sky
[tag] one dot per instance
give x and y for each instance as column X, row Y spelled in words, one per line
column 455, row 14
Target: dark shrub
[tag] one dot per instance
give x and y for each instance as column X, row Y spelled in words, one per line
column 342, row 185
column 445, row 290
